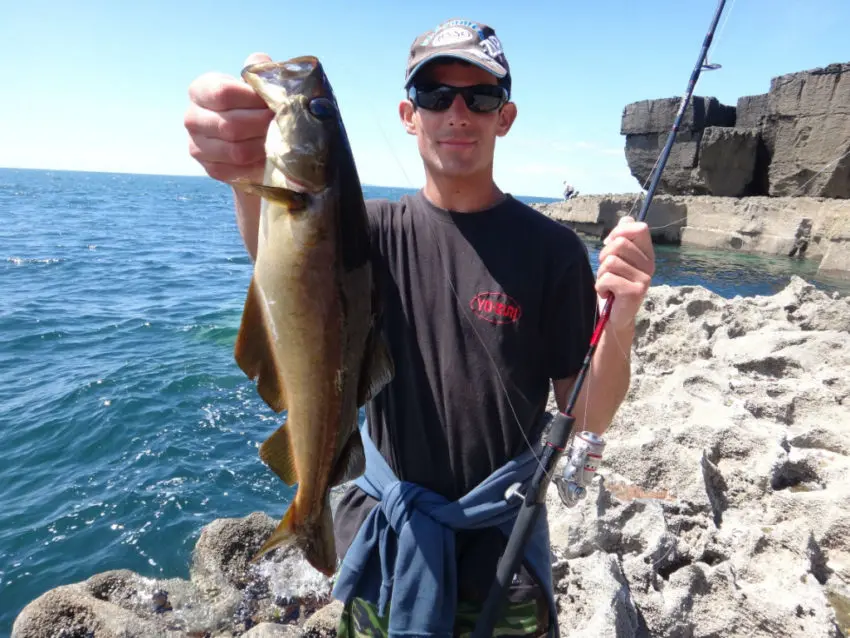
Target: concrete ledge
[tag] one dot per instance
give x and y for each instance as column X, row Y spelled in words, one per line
column 814, row 228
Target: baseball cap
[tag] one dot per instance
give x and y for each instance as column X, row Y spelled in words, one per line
column 460, row 39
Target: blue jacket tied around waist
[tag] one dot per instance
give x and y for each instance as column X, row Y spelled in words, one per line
column 404, row 553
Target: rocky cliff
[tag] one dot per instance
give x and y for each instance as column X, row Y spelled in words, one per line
column 722, row 506
column 793, row 140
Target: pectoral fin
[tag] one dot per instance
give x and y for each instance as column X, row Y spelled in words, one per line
column 378, row 368
column 289, row 199
column 351, row 462
column 254, row 351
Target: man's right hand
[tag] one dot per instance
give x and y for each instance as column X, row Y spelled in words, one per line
column 227, row 123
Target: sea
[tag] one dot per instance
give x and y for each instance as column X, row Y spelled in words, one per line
column 125, row 424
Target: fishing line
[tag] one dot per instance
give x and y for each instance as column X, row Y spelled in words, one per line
column 719, row 37
column 644, row 186
column 392, row 151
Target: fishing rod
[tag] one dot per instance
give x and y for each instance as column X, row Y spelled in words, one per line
column 555, row 439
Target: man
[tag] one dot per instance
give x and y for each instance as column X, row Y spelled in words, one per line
column 486, row 301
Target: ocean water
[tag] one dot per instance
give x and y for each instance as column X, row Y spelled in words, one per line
column 125, row 424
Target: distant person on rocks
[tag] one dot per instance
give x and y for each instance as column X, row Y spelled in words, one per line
column 569, row 191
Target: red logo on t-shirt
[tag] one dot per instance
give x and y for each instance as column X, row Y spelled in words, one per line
column 495, row 307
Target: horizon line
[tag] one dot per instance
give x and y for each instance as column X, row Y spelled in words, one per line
column 207, row 177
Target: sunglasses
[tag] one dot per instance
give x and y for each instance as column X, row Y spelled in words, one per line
column 481, row 98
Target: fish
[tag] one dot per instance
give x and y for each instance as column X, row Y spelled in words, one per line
column 310, row 328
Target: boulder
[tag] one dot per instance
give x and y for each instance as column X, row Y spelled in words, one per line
column 657, row 116
column 807, row 132
column 680, row 176
column 225, row 596
column 751, row 111
column 727, row 159
column 646, row 125
column 793, row 141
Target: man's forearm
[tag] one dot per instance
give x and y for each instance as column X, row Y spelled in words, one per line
column 626, row 266
column 248, row 219
column 606, row 383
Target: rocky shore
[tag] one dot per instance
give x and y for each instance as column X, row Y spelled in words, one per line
column 722, row 507
column 812, row 228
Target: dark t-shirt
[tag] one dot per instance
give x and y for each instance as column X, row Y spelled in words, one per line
column 480, row 311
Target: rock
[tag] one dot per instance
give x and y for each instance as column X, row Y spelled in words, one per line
column 811, row 228
column 836, row 261
column 791, row 144
column 323, row 623
column 646, row 125
column 751, row 111
column 273, row 630
column 596, row 215
column 839, row 600
column 226, row 595
column 793, row 141
column 723, row 494
column 225, row 547
column 807, row 132
column 727, row 158
column 72, row 611
column 594, row 599
column 680, row 175
column 657, row 116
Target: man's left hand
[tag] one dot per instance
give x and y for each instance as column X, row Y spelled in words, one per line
column 626, row 266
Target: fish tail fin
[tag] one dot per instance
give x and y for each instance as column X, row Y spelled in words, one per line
column 283, row 536
column 315, row 540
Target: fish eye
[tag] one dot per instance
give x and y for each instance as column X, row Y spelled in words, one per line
column 322, row 108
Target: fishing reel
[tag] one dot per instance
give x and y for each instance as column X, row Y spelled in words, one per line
column 583, row 458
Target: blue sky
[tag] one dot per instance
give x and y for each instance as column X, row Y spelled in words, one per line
column 103, row 85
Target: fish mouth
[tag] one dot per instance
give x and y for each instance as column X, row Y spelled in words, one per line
column 298, row 94
column 301, row 66
column 286, row 75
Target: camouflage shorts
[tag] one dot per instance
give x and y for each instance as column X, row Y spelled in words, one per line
column 519, row 620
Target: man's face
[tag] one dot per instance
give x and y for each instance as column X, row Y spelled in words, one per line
column 456, row 142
